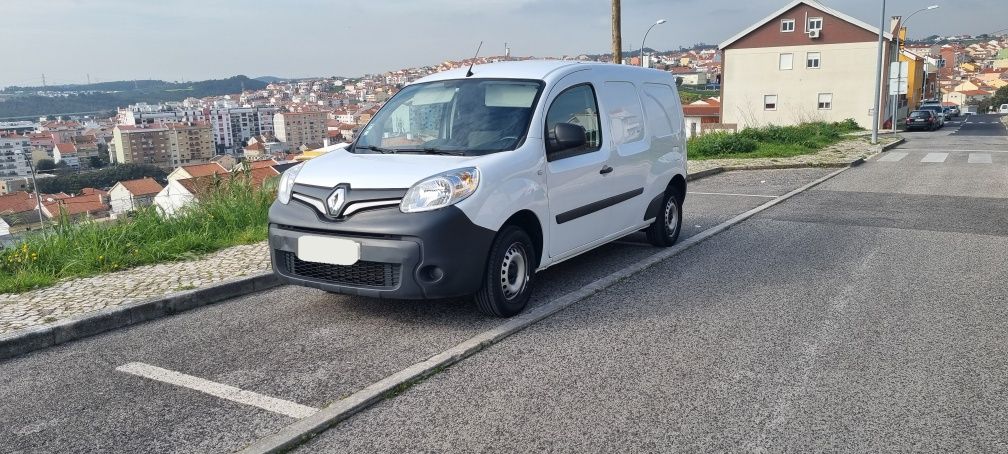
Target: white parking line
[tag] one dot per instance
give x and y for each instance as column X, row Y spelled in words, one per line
column 735, row 195
column 893, row 156
column 980, row 158
column 283, row 407
column 935, row 157
column 961, row 151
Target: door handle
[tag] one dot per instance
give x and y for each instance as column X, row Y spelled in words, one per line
column 605, row 170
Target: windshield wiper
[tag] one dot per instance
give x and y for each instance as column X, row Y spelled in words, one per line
column 431, row 150
column 376, row 149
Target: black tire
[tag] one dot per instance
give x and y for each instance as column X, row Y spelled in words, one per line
column 661, row 232
column 507, row 280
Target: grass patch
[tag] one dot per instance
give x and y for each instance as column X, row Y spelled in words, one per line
column 229, row 213
column 769, row 141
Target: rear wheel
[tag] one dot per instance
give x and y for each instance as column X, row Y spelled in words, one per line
column 507, row 281
column 664, row 231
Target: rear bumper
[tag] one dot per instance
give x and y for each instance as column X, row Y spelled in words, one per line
column 436, row 254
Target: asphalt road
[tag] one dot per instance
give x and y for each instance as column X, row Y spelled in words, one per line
column 303, row 346
column 867, row 314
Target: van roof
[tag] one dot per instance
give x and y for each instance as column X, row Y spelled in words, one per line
column 527, row 69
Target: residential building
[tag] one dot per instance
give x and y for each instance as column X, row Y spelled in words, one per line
column 804, row 62
column 966, row 97
column 230, row 126
column 164, row 146
column 15, row 156
column 9, row 185
column 699, row 113
column 76, row 208
column 67, row 154
column 19, row 211
column 197, row 170
column 129, row 195
column 142, row 145
column 300, row 128
column 180, row 193
column 190, row 143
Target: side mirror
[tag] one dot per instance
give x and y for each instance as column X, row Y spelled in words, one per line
column 566, row 136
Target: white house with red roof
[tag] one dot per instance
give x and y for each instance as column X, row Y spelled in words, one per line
column 129, row 195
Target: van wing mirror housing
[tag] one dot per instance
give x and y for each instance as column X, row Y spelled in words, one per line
column 566, row 136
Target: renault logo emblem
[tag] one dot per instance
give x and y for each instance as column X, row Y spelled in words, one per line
column 335, row 201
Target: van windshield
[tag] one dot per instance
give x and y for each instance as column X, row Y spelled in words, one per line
column 459, row 117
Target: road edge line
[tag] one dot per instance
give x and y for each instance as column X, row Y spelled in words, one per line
column 27, row 340
column 307, row 428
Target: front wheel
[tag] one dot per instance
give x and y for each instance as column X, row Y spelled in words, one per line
column 507, row 281
column 664, row 231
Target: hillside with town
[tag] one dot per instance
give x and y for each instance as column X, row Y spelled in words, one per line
column 279, row 122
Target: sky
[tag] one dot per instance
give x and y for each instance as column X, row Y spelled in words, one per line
column 71, row 40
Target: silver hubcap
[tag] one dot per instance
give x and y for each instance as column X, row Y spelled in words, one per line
column 514, row 272
column 671, row 216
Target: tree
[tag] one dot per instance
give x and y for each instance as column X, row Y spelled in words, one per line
column 1000, row 97
column 45, row 164
column 678, row 81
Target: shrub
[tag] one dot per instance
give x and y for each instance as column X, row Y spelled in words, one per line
column 721, row 143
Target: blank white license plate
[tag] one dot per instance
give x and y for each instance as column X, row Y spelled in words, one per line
column 322, row 249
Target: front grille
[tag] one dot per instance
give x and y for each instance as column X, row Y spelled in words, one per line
column 362, row 273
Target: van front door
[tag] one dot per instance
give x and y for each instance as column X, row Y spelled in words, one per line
column 575, row 177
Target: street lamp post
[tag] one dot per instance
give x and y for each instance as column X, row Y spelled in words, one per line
column 899, row 65
column 660, row 21
column 878, row 80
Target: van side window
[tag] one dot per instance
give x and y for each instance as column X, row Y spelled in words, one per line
column 576, row 105
column 657, row 103
column 624, row 112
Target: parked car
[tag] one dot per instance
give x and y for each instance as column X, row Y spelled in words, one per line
column 954, row 110
column 469, row 183
column 939, row 112
column 922, row 119
column 1003, row 109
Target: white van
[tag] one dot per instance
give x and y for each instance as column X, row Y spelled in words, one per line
column 467, row 184
column 1003, row 109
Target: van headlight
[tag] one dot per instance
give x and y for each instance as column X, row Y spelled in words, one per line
column 441, row 190
column 287, row 183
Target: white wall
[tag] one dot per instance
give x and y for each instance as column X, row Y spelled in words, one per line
column 846, row 70
column 172, row 198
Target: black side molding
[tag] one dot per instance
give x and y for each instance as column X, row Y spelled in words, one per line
column 590, row 208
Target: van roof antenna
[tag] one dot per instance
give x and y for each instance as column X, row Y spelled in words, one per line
column 469, row 73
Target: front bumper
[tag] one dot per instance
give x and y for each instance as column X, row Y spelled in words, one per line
column 435, row 254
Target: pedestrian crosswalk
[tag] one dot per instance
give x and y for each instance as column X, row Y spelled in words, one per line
column 937, row 157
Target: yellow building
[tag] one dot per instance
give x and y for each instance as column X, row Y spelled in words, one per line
column 915, row 77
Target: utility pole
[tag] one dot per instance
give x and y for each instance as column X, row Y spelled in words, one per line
column 43, row 81
column 617, row 40
column 38, row 196
column 878, row 80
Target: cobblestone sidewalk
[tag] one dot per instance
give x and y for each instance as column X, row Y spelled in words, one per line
column 76, row 296
column 837, row 154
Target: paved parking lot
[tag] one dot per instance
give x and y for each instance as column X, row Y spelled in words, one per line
column 866, row 314
column 219, row 377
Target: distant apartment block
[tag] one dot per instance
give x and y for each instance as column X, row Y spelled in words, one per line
column 300, row 128
column 167, row 146
column 230, row 126
column 15, row 152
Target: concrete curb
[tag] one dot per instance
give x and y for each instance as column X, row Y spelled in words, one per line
column 304, row 429
column 704, row 173
column 895, row 144
column 85, row 325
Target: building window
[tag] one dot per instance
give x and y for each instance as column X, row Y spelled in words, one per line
column 814, row 23
column 812, row 60
column 787, row 25
column 786, row 61
column 770, row 102
column 825, row 101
